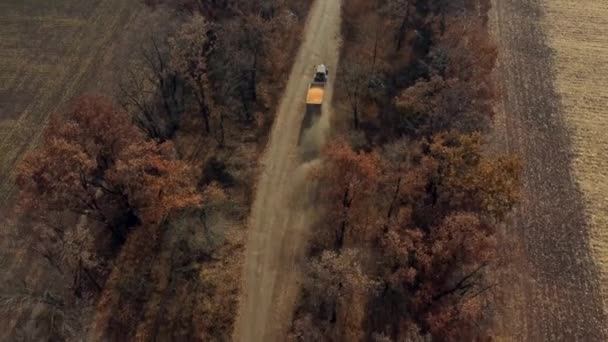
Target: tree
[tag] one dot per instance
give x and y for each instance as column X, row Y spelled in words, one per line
column 190, row 49
column 459, row 91
column 192, row 6
column 73, row 279
column 417, row 104
column 441, row 200
column 240, row 59
column 471, row 53
column 95, row 162
column 135, row 99
column 49, row 316
column 451, row 275
column 153, row 92
column 305, row 329
column 399, row 13
column 355, row 79
column 334, row 281
column 255, row 31
column 348, row 180
column 405, row 175
column 438, row 105
column 439, row 274
column 466, row 180
column 334, row 275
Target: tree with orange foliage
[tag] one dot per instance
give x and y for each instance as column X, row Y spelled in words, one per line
column 95, row 162
column 436, row 196
column 442, row 199
column 466, row 180
column 449, row 275
column 404, row 179
column 348, row 178
column 471, row 54
column 458, row 93
column 438, row 274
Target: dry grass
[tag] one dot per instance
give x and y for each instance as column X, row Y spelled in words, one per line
column 577, row 33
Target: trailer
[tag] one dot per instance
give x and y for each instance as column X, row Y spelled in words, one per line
column 316, row 90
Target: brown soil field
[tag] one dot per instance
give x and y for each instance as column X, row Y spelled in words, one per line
column 577, row 32
column 551, row 287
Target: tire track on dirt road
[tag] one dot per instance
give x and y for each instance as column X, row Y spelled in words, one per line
column 278, row 223
column 552, row 285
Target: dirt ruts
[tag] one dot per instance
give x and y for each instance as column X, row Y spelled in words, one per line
column 280, row 215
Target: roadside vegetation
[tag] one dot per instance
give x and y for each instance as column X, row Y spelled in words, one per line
column 138, row 200
column 413, row 197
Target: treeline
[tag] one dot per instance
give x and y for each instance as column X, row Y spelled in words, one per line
column 412, row 194
column 226, row 61
column 137, row 203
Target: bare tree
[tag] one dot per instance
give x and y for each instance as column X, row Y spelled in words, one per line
column 399, row 13
column 152, row 92
column 355, row 80
column 166, row 80
column 190, row 49
column 332, row 281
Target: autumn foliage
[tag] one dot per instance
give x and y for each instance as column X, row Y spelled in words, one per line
column 437, row 274
column 414, row 191
column 200, row 86
column 348, row 180
column 93, row 161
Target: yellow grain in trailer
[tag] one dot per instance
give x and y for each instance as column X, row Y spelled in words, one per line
column 316, row 91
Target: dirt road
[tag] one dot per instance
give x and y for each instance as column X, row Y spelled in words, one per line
column 279, row 218
column 552, row 286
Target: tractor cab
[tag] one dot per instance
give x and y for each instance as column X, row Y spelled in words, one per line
column 322, row 74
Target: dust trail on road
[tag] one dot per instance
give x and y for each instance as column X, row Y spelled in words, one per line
column 280, row 215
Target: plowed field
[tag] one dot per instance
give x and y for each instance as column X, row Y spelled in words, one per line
column 553, row 76
column 578, row 31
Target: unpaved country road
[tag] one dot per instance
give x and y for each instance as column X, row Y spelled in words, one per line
column 278, row 222
column 552, row 286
